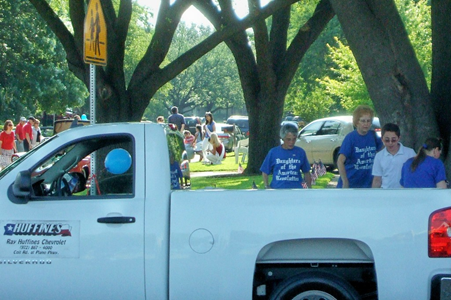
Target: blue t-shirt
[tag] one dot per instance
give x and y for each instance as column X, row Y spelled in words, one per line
column 286, row 166
column 360, row 151
column 177, row 119
column 176, row 174
column 210, row 129
column 427, row 174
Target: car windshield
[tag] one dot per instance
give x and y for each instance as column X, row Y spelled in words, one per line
column 311, row 129
column 9, row 168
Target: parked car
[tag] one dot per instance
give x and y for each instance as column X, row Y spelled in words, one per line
column 295, row 119
column 46, row 131
column 191, row 122
column 241, row 121
column 229, row 135
column 322, row 138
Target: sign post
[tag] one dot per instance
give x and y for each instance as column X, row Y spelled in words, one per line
column 95, row 53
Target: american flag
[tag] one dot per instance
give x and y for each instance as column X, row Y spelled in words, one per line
column 322, row 169
column 318, row 170
column 314, row 174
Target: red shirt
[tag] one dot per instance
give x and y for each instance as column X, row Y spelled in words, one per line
column 27, row 129
column 219, row 150
column 19, row 131
column 189, row 139
column 7, row 140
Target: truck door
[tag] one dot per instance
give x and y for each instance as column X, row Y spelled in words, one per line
column 63, row 239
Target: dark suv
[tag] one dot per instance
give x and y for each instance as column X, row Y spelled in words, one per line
column 241, row 121
column 191, row 122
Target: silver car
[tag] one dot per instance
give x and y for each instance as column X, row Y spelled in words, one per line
column 322, row 138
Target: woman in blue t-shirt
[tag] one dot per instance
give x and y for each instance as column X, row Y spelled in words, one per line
column 286, row 162
column 357, row 152
column 425, row 170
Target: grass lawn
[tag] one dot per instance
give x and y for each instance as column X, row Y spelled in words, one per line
column 237, row 181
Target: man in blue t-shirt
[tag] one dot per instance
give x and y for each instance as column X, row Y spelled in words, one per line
column 286, row 162
column 177, row 119
column 357, row 152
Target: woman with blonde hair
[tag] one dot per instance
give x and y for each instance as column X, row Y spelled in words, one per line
column 357, row 152
column 217, row 153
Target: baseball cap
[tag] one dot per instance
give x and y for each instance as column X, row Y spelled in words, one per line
column 31, row 118
column 23, row 119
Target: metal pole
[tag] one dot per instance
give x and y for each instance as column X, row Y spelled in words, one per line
column 92, row 112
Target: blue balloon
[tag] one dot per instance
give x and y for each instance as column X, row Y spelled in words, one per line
column 118, row 161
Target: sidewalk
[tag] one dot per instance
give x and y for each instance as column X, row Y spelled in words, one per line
column 333, row 182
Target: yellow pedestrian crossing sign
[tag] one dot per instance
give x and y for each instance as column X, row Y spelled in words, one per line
column 95, row 37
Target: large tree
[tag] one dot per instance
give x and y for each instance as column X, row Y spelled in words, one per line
column 118, row 100
column 391, row 71
column 33, row 72
column 267, row 70
column 211, row 83
column 441, row 74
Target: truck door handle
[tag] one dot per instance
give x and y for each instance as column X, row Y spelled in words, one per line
column 116, row 220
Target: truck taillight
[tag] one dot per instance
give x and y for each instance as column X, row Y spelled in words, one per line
column 440, row 233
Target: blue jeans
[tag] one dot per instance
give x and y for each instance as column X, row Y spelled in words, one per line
column 19, row 146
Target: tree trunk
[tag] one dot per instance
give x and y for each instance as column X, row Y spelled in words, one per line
column 393, row 76
column 265, row 77
column 441, row 75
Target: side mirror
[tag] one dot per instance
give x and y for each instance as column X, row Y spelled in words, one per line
column 21, row 188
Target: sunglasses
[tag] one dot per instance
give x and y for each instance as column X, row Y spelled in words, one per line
column 10, row 125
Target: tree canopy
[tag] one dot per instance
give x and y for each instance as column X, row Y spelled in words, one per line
column 34, row 73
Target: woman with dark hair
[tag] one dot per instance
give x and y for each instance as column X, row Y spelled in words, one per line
column 209, row 128
column 425, row 170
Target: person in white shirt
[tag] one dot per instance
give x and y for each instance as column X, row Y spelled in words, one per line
column 389, row 161
column 36, row 133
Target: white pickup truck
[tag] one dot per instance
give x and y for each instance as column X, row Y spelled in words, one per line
column 130, row 237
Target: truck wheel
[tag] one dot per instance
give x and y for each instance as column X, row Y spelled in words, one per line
column 314, row 286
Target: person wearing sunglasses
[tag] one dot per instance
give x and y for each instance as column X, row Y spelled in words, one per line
column 388, row 162
column 7, row 144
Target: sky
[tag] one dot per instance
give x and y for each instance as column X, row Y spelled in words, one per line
column 193, row 16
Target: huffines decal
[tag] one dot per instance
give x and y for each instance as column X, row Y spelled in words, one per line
column 40, row 239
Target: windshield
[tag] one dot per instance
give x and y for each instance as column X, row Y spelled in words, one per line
column 17, row 161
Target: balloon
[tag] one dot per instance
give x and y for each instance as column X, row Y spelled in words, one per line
column 118, row 161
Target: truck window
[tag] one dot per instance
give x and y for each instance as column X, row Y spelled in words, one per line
column 66, row 173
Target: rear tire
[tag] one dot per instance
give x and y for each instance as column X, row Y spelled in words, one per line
column 314, row 286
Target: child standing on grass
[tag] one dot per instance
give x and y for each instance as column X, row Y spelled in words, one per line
column 176, row 173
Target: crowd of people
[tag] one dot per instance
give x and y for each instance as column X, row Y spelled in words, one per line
column 24, row 137
column 365, row 160
column 204, row 142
